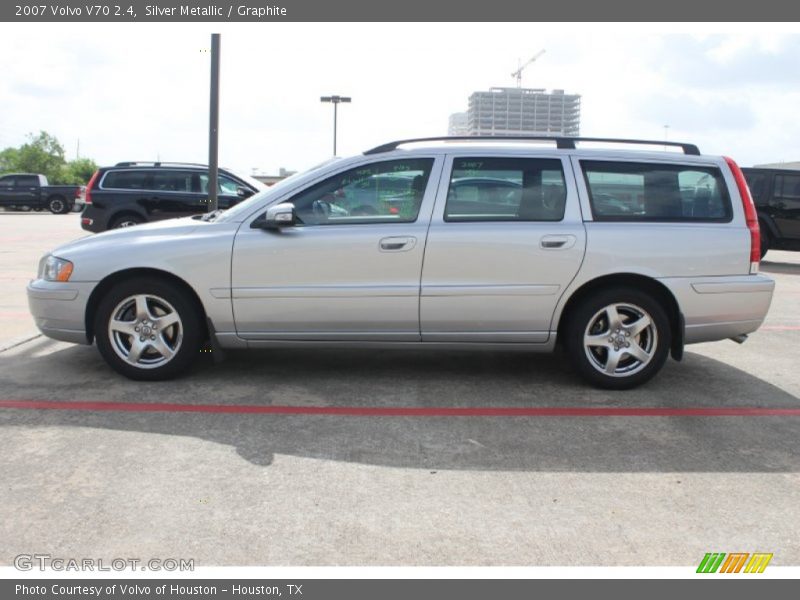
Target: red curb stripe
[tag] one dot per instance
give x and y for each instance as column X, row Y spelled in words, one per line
column 544, row 411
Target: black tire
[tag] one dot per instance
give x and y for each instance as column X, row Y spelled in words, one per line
column 591, row 315
column 163, row 297
column 58, row 205
column 766, row 239
column 126, row 221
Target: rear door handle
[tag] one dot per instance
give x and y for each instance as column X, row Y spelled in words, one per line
column 397, row 244
column 557, row 242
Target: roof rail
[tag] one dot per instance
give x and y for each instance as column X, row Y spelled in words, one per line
column 562, row 143
column 158, row 163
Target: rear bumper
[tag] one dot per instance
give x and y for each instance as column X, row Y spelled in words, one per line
column 93, row 220
column 59, row 309
column 717, row 308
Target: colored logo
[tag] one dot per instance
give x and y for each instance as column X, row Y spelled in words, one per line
column 734, row 562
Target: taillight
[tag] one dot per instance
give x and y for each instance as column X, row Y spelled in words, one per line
column 750, row 214
column 88, row 199
column 78, row 191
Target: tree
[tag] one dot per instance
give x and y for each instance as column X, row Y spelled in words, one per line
column 41, row 154
column 77, row 171
column 44, row 154
column 8, row 160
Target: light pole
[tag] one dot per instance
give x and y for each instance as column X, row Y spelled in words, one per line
column 213, row 125
column 335, row 100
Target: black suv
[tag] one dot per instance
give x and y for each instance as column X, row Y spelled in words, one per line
column 776, row 193
column 130, row 193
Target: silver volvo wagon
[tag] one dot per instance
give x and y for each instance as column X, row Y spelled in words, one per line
column 622, row 256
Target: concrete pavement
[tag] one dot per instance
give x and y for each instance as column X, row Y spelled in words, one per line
column 229, row 489
column 26, row 237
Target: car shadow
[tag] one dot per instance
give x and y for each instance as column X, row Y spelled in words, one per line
column 786, row 268
column 45, row 370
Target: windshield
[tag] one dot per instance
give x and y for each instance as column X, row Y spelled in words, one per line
column 246, row 206
column 255, row 183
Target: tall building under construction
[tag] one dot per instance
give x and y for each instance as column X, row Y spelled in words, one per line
column 519, row 111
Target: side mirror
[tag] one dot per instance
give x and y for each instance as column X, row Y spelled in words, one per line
column 279, row 216
column 243, row 192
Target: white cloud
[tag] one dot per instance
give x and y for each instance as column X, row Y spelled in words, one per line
column 138, row 91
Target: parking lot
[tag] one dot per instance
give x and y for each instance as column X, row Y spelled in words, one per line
column 315, row 489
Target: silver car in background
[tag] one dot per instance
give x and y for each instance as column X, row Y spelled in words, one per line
column 622, row 256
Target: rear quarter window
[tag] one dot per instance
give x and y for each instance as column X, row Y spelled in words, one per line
column 787, row 187
column 654, row 192
column 127, row 180
column 758, row 184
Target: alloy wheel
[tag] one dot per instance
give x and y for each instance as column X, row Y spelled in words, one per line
column 620, row 340
column 145, row 331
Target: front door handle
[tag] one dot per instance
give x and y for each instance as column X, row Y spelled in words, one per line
column 557, row 242
column 397, row 244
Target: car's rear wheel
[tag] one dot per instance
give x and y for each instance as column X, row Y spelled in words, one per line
column 58, row 206
column 765, row 240
column 618, row 338
column 148, row 329
column 126, row 221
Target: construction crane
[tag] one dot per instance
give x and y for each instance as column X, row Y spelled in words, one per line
column 518, row 73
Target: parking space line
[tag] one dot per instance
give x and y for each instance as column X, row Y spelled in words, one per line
column 403, row 411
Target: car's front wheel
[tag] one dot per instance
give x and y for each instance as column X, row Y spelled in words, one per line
column 618, row 338
column 148, row 329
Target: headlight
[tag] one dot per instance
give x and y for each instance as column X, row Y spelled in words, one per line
column 53, row 268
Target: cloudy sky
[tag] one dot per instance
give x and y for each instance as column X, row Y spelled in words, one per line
column 140, row 91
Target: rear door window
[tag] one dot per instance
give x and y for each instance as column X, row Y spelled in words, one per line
column 27, row 181
column 173, row 181
column 506, row 189
column 627, row 191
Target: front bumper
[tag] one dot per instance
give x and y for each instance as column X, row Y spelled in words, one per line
column 59, row 309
